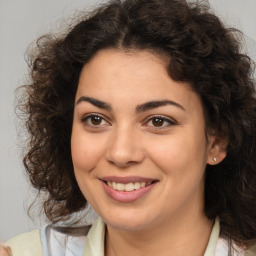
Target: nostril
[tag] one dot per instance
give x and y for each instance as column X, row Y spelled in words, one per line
column 121, row 164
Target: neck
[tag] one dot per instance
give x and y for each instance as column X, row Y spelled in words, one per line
column 179, row 238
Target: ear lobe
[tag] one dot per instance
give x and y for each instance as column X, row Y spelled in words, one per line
column 217, row 151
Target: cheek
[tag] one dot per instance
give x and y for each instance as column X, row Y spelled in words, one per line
column 85, row 151
column 86, row 154
column 180, row 154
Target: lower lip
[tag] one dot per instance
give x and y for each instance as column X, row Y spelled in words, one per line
column 126, row 196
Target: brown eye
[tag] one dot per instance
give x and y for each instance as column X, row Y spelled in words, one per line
column 158, row 122
column 96, row 120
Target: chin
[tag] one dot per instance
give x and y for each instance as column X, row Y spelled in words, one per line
column 124, row 225
column 132, row 222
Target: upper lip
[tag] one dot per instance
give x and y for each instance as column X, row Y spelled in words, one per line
column 127, row 179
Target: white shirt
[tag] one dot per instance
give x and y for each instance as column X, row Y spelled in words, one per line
column 57, row 244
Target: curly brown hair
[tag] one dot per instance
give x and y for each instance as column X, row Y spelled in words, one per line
column 201, row 51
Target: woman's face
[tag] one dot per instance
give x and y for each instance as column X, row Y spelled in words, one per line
column 139, row 145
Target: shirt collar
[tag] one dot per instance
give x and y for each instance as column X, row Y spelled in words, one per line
column 94, row 245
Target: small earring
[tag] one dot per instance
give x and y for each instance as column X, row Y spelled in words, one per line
column 214, row 159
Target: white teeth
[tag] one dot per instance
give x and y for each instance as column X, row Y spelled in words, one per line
column 136, row 185
column 128, row 186
column 143, row 184
column 120, row 186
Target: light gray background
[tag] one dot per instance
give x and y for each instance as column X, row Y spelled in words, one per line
column 21, row 22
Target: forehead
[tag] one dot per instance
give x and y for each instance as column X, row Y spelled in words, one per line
column 134, row 76
column 121, row 62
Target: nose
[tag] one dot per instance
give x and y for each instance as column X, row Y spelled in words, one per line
column 124, row 148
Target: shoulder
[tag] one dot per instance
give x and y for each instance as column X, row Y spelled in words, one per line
column 26, row 244
column 59, row 243
column 222, row 248
column 46, row 241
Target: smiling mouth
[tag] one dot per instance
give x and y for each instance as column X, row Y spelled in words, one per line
column 127, row 189
column 131, row 186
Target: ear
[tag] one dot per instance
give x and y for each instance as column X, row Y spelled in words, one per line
column 217, row 150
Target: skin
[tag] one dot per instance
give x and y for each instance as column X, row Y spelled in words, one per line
column 124, row 142
column 5, row 251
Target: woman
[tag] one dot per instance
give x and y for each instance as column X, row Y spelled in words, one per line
column 146, row 110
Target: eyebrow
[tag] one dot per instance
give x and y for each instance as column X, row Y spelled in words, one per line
column 140, row 108
column 156, row 104
column 95, row 102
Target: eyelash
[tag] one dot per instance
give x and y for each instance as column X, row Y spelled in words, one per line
column 170, row 122
column 85, row 121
